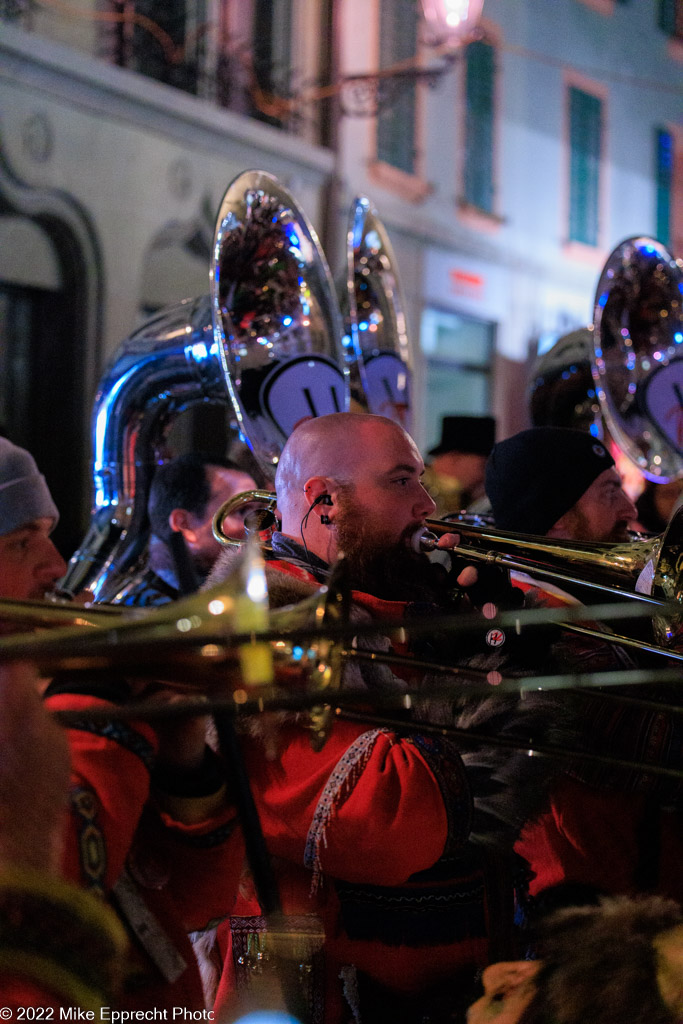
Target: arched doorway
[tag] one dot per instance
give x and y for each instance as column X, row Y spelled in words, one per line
column 50, row 333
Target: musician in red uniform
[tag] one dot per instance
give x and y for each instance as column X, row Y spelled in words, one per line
column 560, row 483
column 384, row 840
column 149, row 825
column 30, row 563
column 185, row 494
column 618, row 831
column 59, row 946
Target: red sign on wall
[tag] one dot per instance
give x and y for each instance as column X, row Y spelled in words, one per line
column 464, row 282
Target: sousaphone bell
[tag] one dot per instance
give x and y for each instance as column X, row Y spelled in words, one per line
column 266, row 344
column 638, row 354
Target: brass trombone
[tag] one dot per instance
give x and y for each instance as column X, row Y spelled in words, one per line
column 644, row 570
column 266, row 499
column 228, row 652
column 57, row 612
column 613, row 568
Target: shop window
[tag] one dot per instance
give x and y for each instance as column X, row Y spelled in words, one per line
column 36, row 339
column 458, row 350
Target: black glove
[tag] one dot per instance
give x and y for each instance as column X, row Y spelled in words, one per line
column 493, row 586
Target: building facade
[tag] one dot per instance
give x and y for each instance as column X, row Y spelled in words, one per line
column 504, row 171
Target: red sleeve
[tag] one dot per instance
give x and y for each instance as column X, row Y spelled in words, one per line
column 205, row 862
column 110, row 789
column 369, row 807
column 110, row 765
column 586, row 836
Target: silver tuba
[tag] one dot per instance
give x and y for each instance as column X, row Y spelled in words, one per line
column 625, row 370
column 638, row 354
column 376, row 341
column 164, row 367
column 266, row 342
column 277, row 324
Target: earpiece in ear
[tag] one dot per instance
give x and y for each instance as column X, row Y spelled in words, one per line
column 323, row 499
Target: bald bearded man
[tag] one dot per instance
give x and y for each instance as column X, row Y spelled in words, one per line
column 387, row 838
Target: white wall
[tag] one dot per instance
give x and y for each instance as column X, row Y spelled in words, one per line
column 535, row 283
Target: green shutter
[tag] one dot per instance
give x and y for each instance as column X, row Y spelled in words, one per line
column 479, row 86
column 666, row 16
column 585, row 137
column 663, row 183
column 396, row 118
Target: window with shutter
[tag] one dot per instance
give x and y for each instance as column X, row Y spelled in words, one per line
column 272, row 49
column 479, row 113
column 664, row 162
column 585, row 143
column 396, row 121
column 670, row 17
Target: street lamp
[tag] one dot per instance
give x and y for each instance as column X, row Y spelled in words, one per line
column 449, row 23
column 447, row 27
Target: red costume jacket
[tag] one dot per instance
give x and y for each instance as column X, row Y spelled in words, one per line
column 618, row 830
column 370, row 839
column 165, row 878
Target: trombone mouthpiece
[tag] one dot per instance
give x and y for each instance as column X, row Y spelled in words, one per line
column 423, row 540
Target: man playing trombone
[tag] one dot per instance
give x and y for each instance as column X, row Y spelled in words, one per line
column 560, row 483
column 30, row 564
column 398, row 842
column 615, row 830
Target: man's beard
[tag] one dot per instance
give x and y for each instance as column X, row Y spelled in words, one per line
column 619, row 534
column 390, row 570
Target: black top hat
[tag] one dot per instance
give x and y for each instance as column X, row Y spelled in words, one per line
column 472, row 435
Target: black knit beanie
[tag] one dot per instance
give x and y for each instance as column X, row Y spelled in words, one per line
column 533, row 478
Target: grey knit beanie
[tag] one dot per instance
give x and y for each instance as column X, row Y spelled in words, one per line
column 24, row 494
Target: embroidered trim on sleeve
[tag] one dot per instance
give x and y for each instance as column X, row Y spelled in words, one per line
column 121, row 733
column 338, row 788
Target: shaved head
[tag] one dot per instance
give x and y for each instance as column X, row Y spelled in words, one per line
column 351, row 483
column 348, row 480
column 330, row 446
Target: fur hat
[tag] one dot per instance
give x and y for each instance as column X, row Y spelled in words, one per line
column 472, row 435
column 536, row 476
column 24, row 494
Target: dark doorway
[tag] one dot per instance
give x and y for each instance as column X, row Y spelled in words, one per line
column 41, row 395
